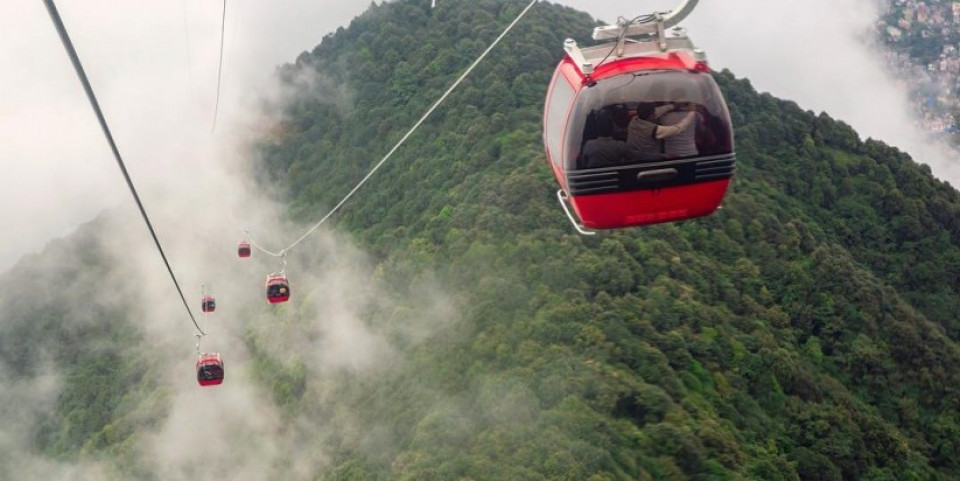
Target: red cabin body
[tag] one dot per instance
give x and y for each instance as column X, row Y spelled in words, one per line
column 243, row 250
column 208, row 304
column 642, row 139
column 278, row 289
column 209, row 369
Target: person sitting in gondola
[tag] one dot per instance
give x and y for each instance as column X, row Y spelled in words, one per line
column 210, row 372
column 684, row 143
column 277, row 290
column 621, row 121
column 604, row 151
column 646, row 137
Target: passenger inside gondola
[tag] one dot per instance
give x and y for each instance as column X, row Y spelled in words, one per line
column 668, row 114
column 682, row 143
column 210, row 372
column 277, row 290
column 604, row 151
column 652, row 126
column 621, row 121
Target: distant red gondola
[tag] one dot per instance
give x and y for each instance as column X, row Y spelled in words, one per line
column 278, row 289
column 636, row 131
column 208, row 304
column 243, row 250
column 209, row 369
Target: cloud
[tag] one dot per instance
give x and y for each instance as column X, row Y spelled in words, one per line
column 22, row 404
column 153, row 67
column 156, row 88
column 330, row 330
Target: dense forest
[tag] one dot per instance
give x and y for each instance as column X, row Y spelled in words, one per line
column 806, row 331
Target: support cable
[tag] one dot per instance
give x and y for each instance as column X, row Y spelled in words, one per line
column 78, row 67
column 402, row 140
column 216, row 106
column 253, row 242
column 186, row 30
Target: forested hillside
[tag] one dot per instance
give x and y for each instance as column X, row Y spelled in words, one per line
column 69, row 311
column 808, row 330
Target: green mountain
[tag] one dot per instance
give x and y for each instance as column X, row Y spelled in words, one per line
column 808, row 330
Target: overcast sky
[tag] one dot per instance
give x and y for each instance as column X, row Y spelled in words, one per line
column 153, row 66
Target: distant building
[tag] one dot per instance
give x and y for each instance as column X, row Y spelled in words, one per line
column 909, row 26
column 953, row 66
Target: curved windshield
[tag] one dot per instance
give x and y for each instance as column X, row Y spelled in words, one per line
column 277, row 290
column 648, row 116
column 210, row 372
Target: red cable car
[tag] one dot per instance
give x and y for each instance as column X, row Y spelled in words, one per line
column 208, row 304
column 637, row 131
column 209, row 369
column 243, row 250
column 278, row 289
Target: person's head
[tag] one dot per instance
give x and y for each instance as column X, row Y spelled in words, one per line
column 645, row 111
column 620, row 116
column 604, row 124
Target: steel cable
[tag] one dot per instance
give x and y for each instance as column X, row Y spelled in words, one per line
column 216, row 106
column 78, row 67
column 403, row 139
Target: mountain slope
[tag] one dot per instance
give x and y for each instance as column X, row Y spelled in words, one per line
column 805, row 331
column 796, row 331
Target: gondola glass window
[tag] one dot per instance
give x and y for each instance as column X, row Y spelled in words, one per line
column 560, row 100
column 629, row 108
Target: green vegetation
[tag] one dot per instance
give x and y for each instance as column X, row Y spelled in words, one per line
column 805, row 331
column 59, row 318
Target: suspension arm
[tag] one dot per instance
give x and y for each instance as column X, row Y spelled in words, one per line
column 664, row 20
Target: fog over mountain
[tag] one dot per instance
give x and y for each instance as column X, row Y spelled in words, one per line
column 153, row 66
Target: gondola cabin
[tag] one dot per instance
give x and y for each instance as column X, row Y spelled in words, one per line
column 637, row 132
column 209, row 369
column 278, row 289
column 243, row 250
column 208, row 304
